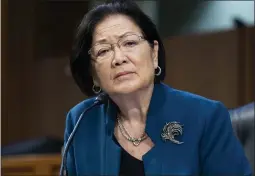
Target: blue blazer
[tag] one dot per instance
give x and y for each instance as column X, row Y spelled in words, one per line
column 210, row 146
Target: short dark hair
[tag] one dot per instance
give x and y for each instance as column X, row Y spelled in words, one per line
column 80, row 61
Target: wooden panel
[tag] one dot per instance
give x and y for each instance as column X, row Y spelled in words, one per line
column 247, row 57
column 56, row 22
column 36, row 29
column 56, row 94
column 31, row 165
column 17, row 50
column 5, row 77
column 213, row 65
column 205, row 65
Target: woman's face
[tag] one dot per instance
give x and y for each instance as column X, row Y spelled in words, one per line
column 127, row 66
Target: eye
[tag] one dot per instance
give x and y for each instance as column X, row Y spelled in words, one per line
column 130, row 43
column 102, row 52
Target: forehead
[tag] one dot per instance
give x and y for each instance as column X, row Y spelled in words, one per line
column 114, row 26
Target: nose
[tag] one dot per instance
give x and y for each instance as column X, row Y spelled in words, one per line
column 118, row 57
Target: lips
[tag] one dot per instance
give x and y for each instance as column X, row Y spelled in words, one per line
column 122, row 74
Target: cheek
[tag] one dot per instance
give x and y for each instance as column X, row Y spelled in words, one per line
column 145, row 64
column 103, row 74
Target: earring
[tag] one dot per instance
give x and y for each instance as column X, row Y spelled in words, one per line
column 159, row 71
column 96, row 89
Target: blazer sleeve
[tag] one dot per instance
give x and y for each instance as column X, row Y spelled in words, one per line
column 70, row 155
column 221, row 152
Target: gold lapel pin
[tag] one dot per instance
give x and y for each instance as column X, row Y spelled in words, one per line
column 171, row 130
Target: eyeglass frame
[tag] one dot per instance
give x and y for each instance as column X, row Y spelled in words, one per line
column 141, row 38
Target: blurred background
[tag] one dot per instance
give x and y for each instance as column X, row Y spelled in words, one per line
column 210, row 51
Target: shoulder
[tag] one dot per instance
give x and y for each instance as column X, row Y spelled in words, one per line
column 193, row 103
column 210, row 114
column 75, row 111
column 195, row 109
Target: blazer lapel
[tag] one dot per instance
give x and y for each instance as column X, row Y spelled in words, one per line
column 152, row 159
column 161, row 111
column 112, row 150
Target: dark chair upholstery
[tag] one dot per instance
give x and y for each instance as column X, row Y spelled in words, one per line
column 243, row 124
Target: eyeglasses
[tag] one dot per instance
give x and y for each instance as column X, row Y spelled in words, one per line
column 127, row 44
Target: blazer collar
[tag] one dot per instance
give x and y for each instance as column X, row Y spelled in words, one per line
column 158, row 112
column 156, row 106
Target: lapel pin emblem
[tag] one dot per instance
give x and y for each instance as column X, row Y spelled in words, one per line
column 171, row 130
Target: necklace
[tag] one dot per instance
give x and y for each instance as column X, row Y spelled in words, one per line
column 135, row 141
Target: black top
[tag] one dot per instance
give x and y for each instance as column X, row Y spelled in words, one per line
column 129, row 165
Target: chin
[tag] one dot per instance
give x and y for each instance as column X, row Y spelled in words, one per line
column 129, row 87
column 126, row 90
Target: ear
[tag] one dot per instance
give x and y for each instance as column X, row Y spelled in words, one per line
column 95, row 82
column 94, row 77
column 155, row 54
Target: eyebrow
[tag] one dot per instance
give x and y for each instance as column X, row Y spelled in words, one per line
column 119, row 37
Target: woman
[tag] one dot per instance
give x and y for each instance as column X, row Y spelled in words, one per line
column 146, row 127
